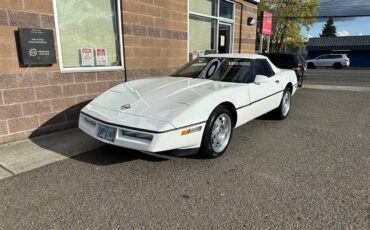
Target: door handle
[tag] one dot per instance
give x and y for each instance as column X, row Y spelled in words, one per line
column 277, row 81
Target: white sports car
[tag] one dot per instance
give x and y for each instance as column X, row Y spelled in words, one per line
column 195, row 108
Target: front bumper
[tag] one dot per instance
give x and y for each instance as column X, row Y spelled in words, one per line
column 153, row 141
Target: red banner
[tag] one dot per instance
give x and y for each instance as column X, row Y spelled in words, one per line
column 266, row 23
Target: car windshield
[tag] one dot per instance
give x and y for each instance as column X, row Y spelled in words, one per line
column 217, row 69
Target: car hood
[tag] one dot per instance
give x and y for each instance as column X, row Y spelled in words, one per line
column 157, row 98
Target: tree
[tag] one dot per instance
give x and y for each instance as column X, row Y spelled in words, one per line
column 329, row 29
column 288, row 18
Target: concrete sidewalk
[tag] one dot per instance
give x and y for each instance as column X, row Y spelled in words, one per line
column 25, row 155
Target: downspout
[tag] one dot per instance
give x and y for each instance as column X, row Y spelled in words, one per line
column 241, row 27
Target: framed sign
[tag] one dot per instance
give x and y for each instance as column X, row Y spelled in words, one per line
column 266, row 24
column 87, row 57
column 37, row 46
column 101, row 57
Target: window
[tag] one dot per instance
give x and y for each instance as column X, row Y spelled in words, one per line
column 226, row 9
column 89, row 35
column 207, row 7
column 263, row 68
column 211, row 24
column 202, row 33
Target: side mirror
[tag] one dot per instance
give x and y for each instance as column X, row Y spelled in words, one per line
column 260, row 79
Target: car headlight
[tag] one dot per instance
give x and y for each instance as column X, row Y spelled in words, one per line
column 137, row 135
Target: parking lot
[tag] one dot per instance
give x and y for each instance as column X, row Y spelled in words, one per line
column 342, row 77
column 310, row 171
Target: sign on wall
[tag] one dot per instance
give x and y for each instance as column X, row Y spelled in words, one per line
column 87, row 57
column 266, row 23
column 101, row 57
column 37, row 46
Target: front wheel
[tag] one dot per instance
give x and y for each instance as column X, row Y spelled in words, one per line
column 283, row 110
column 217, row 133
column 311, row 65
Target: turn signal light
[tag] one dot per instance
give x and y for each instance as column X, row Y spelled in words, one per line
column 193, row 130
column 185, row 132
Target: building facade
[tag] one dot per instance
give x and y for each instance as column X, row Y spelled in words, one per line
column 100, row 44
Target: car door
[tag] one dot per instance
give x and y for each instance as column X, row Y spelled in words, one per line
column 265, row 92
column 321, row 60
column 329, row 61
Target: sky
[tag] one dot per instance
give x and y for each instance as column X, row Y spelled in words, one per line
column 345, row 26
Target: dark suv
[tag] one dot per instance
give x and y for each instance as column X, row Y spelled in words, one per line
column 290, row 61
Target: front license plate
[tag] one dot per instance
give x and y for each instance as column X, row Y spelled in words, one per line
column 107, row 133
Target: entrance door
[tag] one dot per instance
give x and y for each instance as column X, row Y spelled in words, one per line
column 224, row 38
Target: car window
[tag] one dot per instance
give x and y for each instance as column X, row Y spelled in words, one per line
column 262, row 67
column 218, row 69
column 191, row 69
column 234, row 70
column 301, row 59
column 324, row 57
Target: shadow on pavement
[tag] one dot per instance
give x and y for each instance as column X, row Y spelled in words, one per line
column 57, row 138
column 109, row 155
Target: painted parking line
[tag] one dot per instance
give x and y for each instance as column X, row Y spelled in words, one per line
column 336, row 87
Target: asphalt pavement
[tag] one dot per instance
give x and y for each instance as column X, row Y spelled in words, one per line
column 341, row 77
column 310, row 171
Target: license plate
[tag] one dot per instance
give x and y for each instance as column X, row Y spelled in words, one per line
column 107, row 133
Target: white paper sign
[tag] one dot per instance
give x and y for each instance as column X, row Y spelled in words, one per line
column 222, row 40
column 87, row 57
column 101, row 57
column 195, row 54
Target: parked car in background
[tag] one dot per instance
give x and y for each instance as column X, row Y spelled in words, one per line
column 290, row 61
column 336, row 61
column 195, row 108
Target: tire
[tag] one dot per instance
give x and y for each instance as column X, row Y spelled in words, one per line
column 282, row 112
column 311, row 65
column 337, row 65
column 300, row 78
column 217, row 133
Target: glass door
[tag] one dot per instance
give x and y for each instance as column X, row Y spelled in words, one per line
column 224, row 38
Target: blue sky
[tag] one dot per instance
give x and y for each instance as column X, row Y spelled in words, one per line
column 345, row 26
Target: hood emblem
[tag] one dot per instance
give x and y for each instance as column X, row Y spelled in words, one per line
column 127, row 106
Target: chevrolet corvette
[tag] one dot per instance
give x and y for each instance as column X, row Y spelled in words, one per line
column 194, row 109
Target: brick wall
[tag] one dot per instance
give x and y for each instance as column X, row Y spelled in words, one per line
column 155, row 36
column 248, row 38
column 39, row 100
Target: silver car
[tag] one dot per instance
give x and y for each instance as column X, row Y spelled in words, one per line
column 336, row 61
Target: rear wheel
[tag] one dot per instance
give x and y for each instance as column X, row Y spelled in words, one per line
column 300, row 77
column 338, row 65
column 283, row 110
column 217, row 133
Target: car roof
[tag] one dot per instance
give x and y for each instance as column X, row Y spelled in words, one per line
column 236, row 55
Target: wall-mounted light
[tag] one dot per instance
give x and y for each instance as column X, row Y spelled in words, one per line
column 251, row 21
